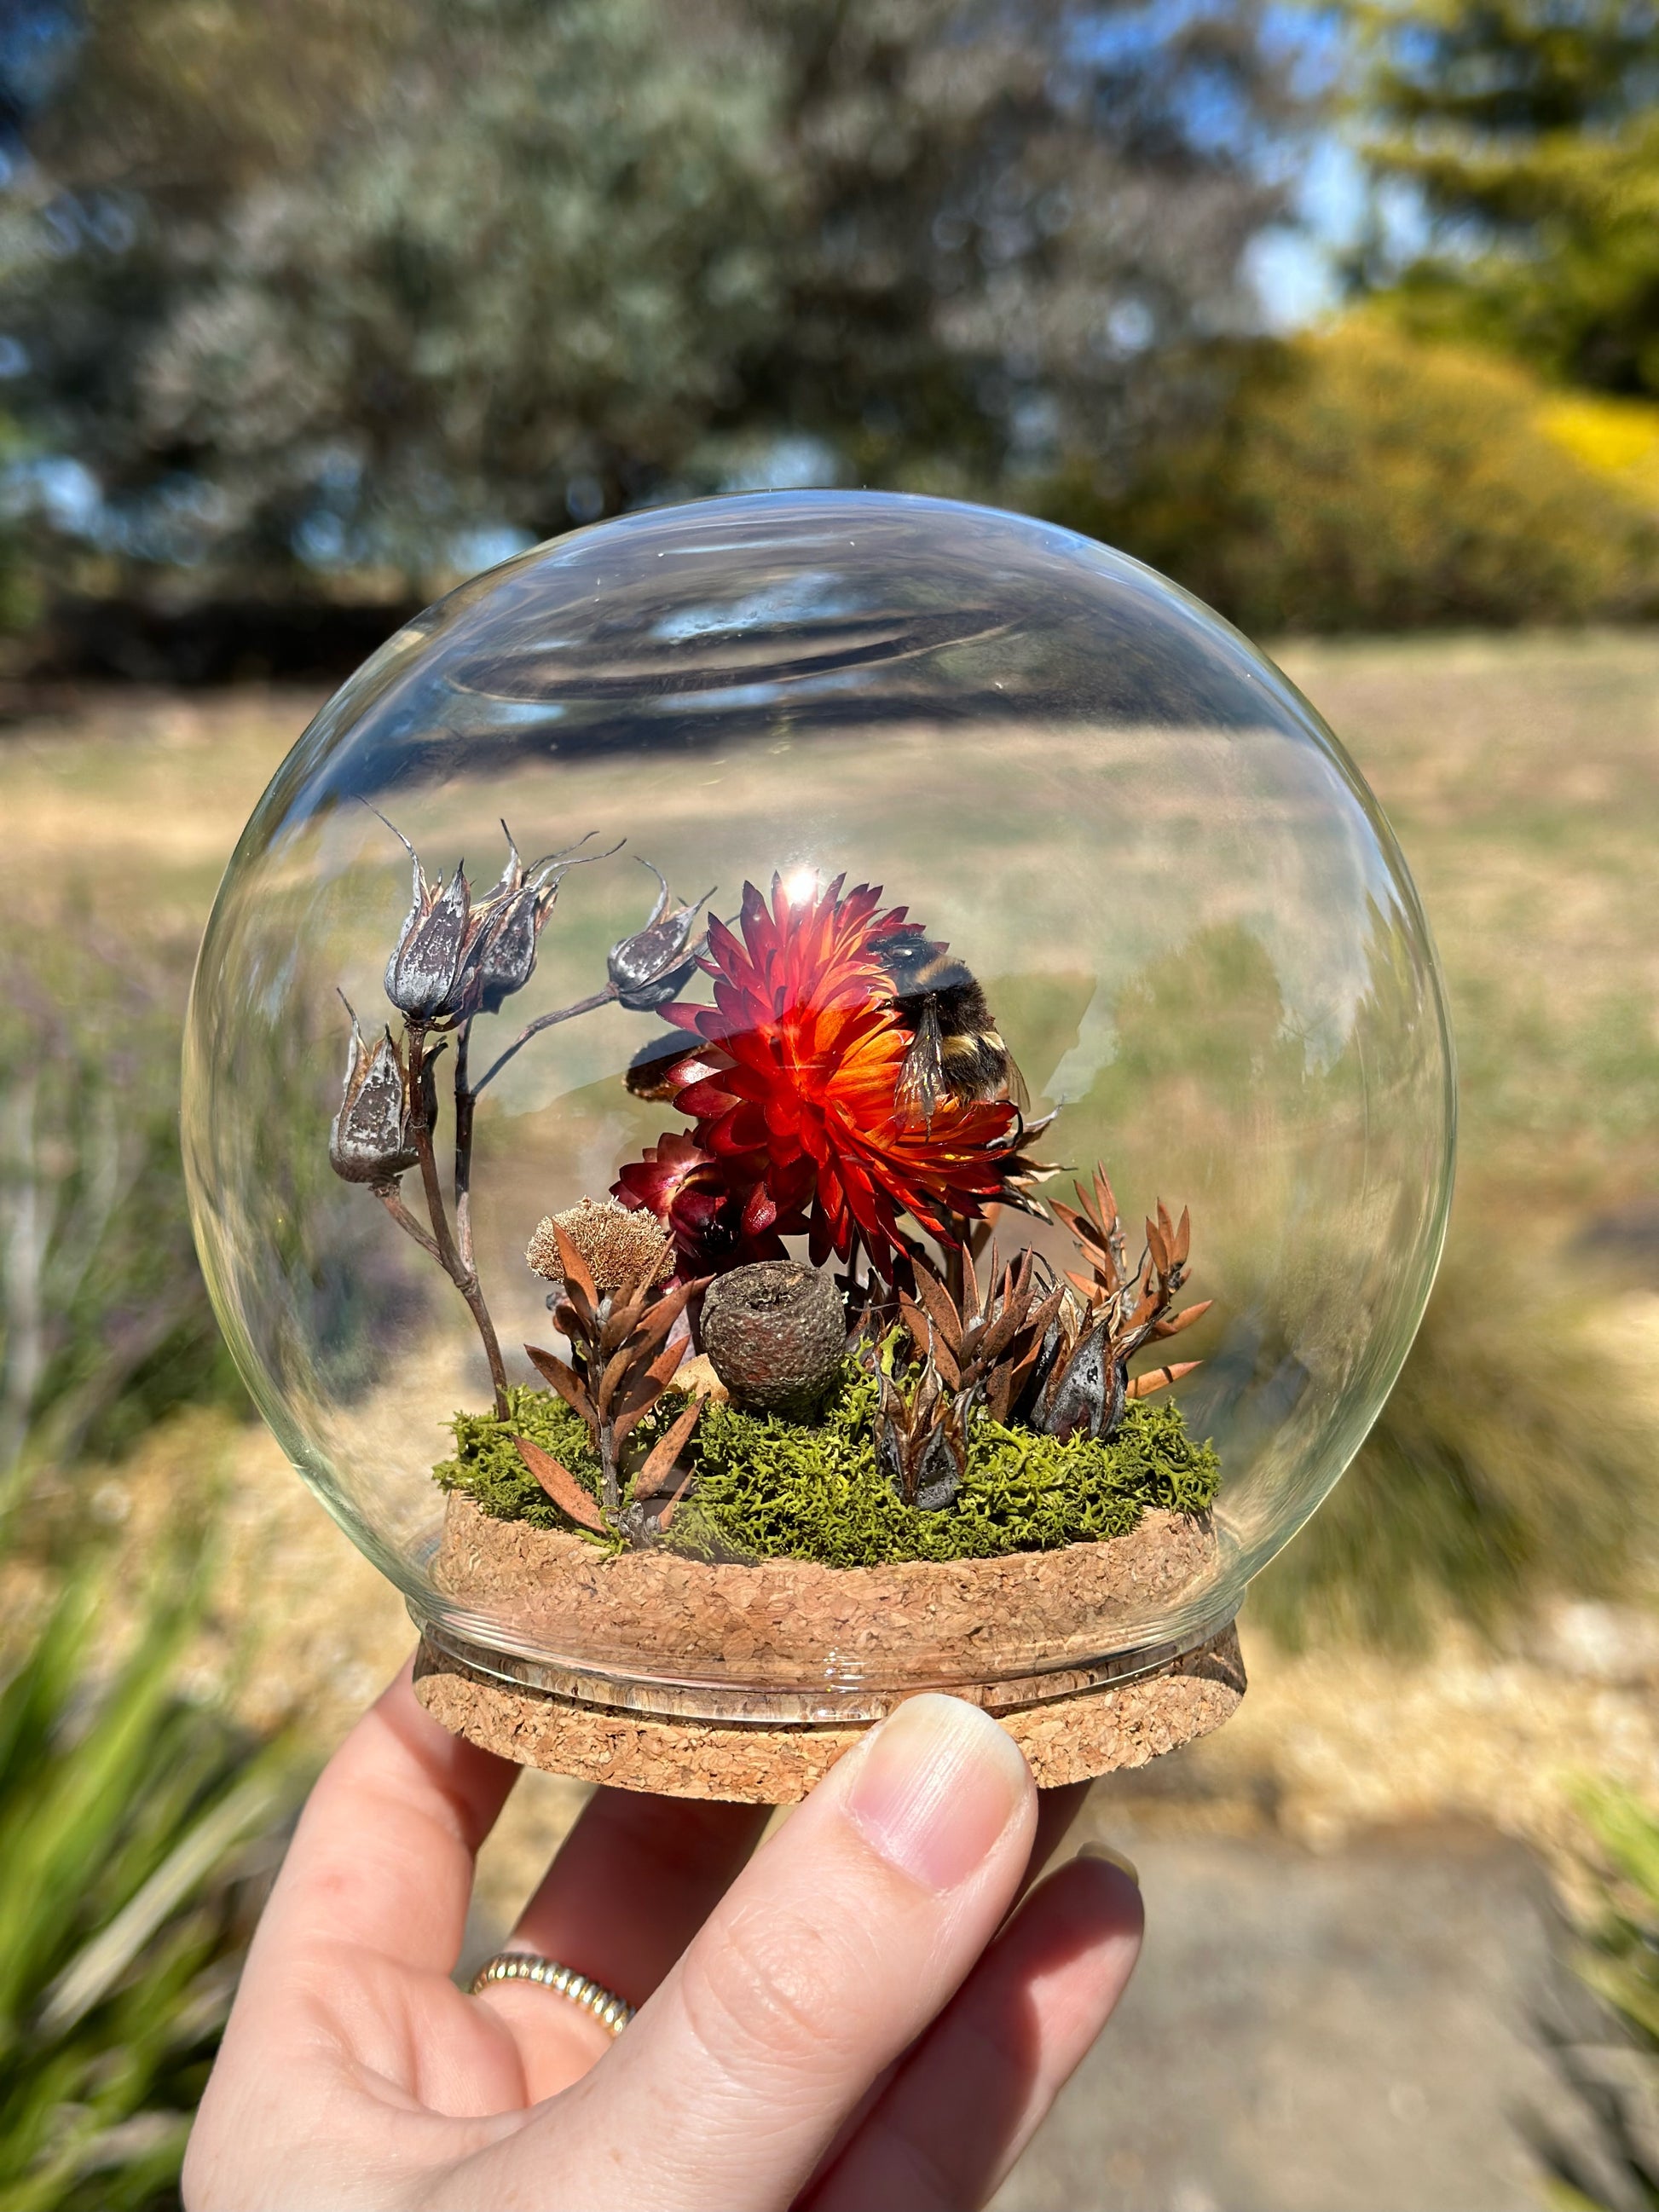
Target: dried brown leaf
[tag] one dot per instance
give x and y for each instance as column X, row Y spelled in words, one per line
column 1159, row 1378
column 1184, row 1319
column 916, row 1323
column 565, row 1380
column 665, row 1517
column 616, row 1368
column 1078, row 1224
column 971, row 1301
column 573, row 1500
column 577, row 1277
column 623, row 1318
column 941, row 1308
column 666, row 1449
column 646, row 1386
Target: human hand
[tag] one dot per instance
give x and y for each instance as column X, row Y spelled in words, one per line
column 842, row 2019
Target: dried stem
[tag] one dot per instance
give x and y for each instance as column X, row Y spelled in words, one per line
column 604, row 997
column 460, row 1271
column 464, row 1106
column 951, row 1254
column 392, row 1198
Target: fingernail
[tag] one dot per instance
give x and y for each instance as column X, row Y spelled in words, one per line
column 1124, row 1864
column 935, row 1788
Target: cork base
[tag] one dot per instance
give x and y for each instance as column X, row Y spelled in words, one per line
column 1064, row 1739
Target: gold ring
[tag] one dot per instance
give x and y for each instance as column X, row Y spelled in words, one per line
column 607, row 2007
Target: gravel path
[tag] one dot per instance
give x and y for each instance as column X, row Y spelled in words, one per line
column 1356, row 2033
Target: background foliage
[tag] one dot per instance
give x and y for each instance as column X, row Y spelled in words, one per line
column 105, row 1325
column 302, row 304
column 1530, row 132
column 125, row 1809
column 1355, row 480
column 293, row 310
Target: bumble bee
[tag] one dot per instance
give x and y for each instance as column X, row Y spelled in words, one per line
column 663, row 1068
column 955, row 1050
column 647, row 1073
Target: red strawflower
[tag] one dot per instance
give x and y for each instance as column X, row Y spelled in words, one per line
column 692, row 1193
column 792, row 1089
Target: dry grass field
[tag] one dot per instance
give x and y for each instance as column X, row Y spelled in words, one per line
column 1523, row 776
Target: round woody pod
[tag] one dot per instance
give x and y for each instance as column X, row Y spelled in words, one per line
column 775, row 1333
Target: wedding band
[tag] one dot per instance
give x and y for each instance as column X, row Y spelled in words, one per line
column 607, row 2007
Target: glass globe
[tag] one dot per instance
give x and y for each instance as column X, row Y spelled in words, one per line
column 847, row 878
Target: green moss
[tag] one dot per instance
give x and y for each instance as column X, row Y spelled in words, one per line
column 487, row 1466
column 772, row 1488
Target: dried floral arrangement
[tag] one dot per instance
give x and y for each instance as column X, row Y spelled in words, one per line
column 897, row 1391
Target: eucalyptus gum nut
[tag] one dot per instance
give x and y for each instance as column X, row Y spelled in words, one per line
column 775, row 1333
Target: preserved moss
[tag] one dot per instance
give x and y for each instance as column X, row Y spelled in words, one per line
column 770, row 1487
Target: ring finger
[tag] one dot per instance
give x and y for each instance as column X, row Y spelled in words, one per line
column 630, row 1887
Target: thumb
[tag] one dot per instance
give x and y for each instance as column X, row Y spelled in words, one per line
column 839, row 1943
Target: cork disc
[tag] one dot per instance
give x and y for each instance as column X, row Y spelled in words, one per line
column 1064, row 1739
column 782, row 1622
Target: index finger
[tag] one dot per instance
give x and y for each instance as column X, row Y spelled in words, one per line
column 383, row 1854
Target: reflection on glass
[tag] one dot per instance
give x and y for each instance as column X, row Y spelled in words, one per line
column 1189, row 926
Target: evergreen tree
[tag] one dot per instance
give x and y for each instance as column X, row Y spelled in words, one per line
column 1531, row 129
column 301, row 298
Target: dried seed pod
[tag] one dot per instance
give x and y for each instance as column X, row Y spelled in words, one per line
column 922, row 1439
column 425, row 975
column 1080, row 1383
column 371, row 1139
column 456, row 956
column 652, row 966
column 777, row 1333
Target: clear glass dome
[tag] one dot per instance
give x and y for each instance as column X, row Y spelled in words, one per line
column 1192, row 932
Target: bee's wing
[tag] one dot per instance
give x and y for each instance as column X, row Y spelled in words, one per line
column 921, row 1078
column 647, row 1074
column 1018, row 1092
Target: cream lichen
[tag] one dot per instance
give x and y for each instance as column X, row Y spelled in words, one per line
column 618, row 1242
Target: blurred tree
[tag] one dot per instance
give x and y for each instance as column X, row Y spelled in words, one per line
column 1531, row 130
column 1022, row 225
column 304, row 293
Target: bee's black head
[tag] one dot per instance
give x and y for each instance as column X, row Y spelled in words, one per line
column 921, row 963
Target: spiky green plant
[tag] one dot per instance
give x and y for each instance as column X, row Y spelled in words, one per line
column 1616, row 2068
column 125, row 1813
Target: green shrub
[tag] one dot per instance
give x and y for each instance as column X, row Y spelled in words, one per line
column 772, row 1488
column 1616, row 2069
column 1361, row 481
column 1506, row 1466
